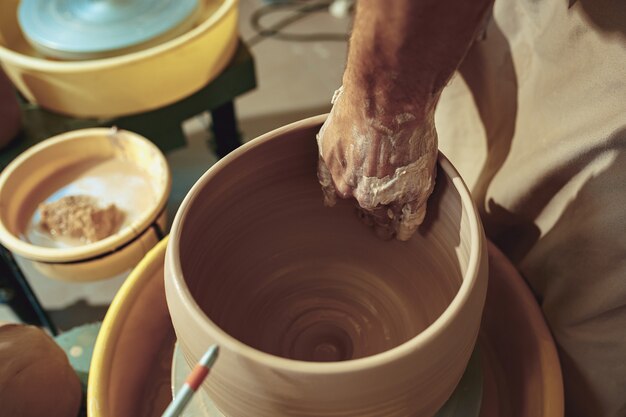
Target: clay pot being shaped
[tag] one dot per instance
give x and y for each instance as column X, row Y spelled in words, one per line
column 314, row 314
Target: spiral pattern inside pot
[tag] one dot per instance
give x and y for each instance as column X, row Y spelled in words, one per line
column 274, row 268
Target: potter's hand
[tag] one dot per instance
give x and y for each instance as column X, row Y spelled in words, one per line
column 384, row 158
column 379, row 143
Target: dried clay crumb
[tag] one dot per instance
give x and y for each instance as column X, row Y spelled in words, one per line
column 80, row 217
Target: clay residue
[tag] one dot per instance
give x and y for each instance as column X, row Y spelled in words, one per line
column 80, row 217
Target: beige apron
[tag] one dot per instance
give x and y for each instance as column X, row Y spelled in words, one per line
column 536, row 124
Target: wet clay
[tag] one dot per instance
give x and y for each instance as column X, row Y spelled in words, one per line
column 80, row 217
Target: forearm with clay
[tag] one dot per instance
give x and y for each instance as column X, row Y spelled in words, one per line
column 379, row 144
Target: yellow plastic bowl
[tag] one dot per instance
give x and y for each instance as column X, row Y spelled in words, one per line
column 126, row 84
column 130, row 367
column 30, row 179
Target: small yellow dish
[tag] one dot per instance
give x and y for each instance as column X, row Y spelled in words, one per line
column 112, row 166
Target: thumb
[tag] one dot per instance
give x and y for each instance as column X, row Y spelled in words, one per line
column 326, row 181
column 413, row 214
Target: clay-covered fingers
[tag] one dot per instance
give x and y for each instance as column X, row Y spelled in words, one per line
column 333, row 186
column 380, row 219
column 412, row 216
column 335, row 169
column 326, row 181
column 394, row 220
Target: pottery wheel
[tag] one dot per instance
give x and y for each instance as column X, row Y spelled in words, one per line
column 464, row 402
column 86, row 28
column 133, row 371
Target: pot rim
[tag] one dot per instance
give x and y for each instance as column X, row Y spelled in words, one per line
column 17, row 59
column 94, row 249
column 174, row 273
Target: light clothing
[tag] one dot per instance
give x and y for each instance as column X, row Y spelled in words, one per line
column 536, row 125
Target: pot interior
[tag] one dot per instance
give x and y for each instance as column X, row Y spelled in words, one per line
column 274, row 268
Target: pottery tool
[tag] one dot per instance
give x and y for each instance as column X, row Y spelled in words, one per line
column 87, row 29
column 192, row 383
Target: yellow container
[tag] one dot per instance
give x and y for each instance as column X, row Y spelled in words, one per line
column 130, row 367
column 132, row 83
column 49, row 168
